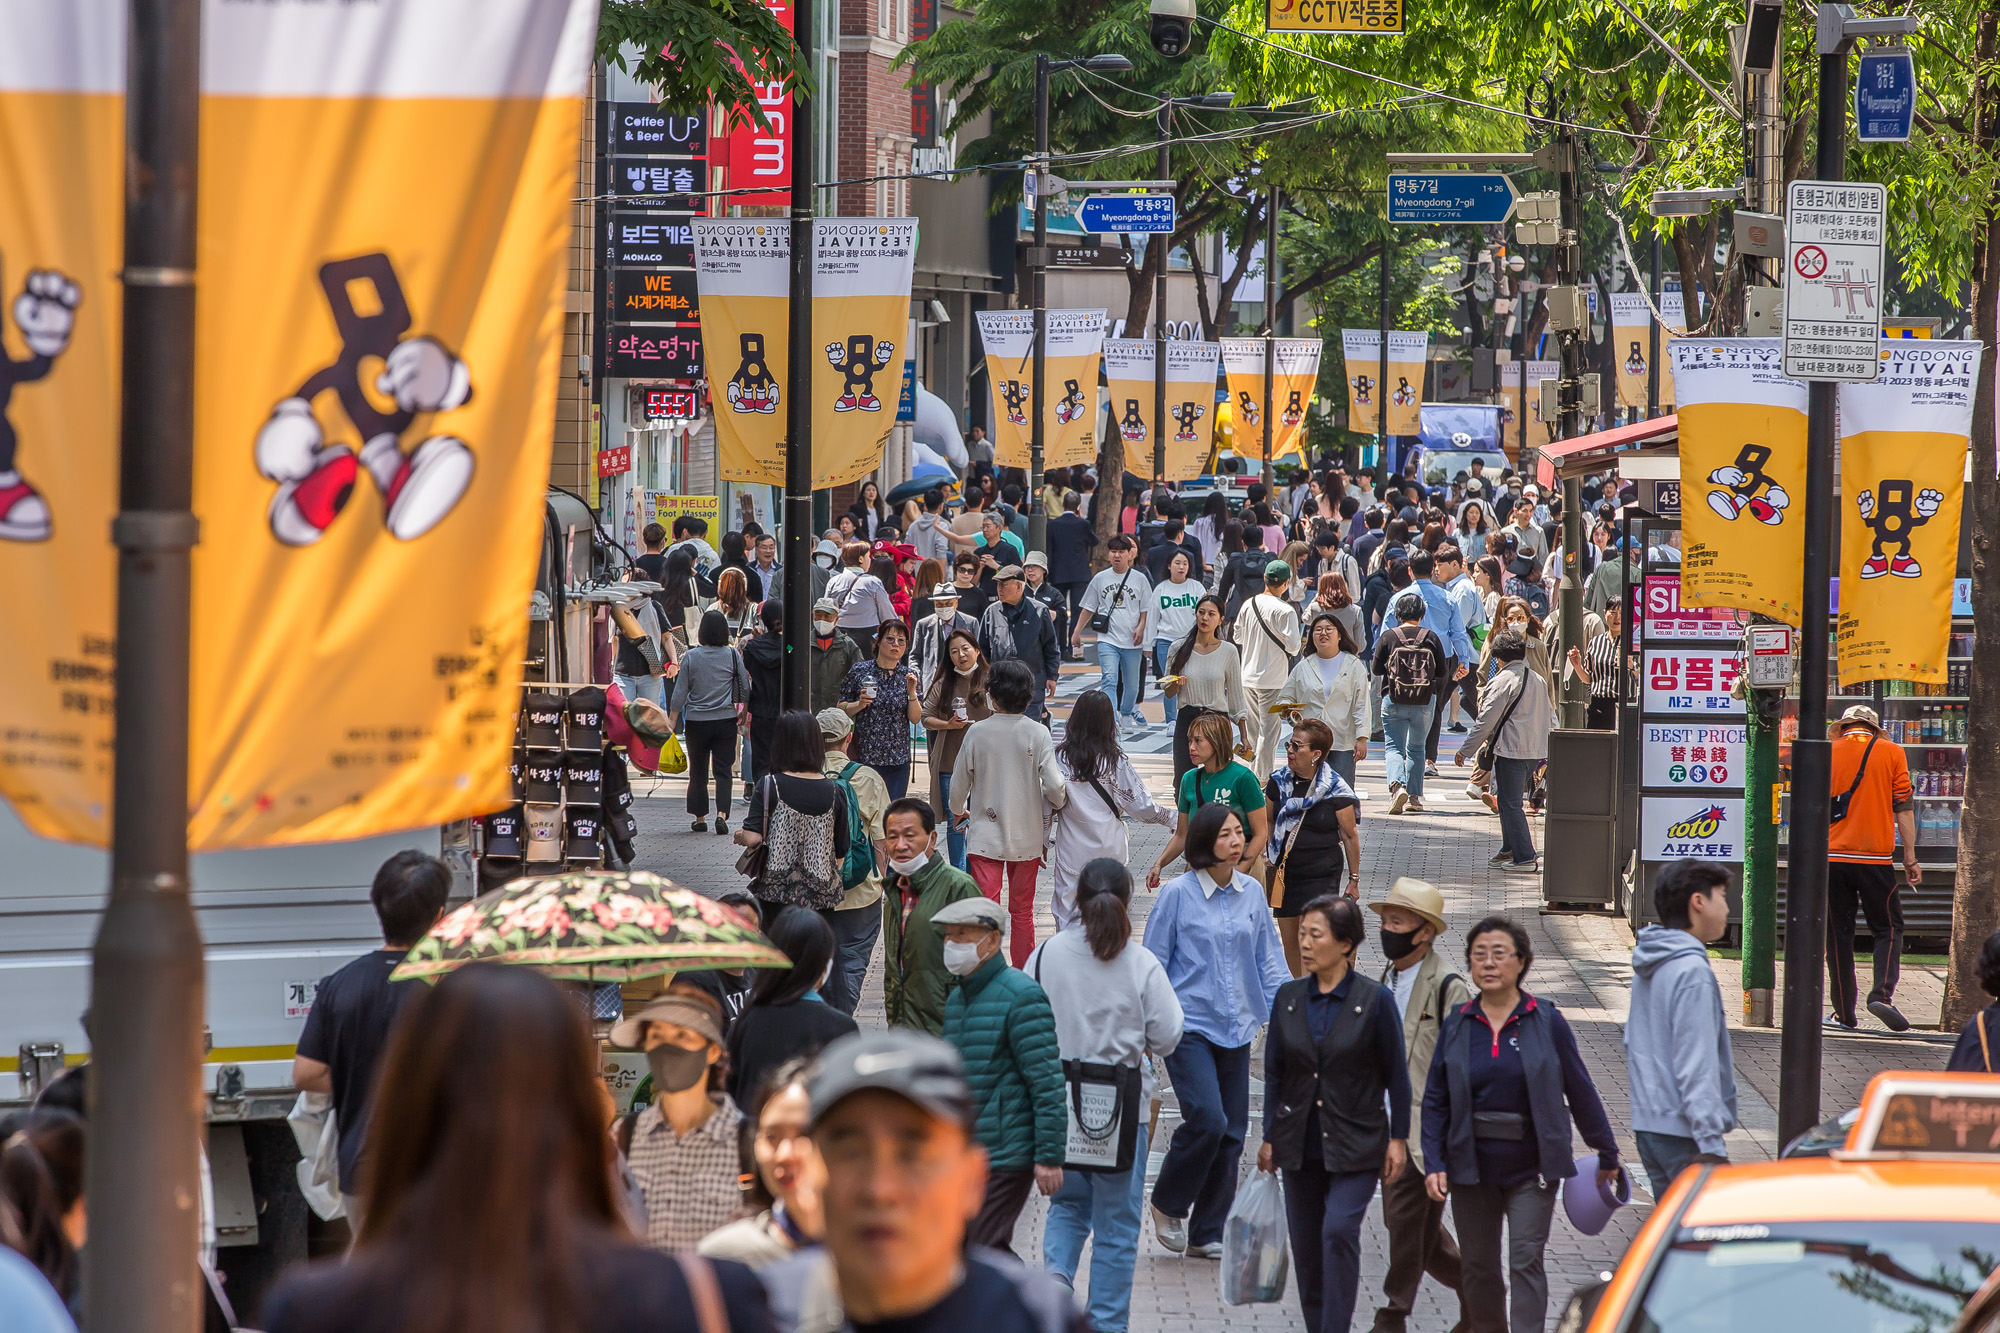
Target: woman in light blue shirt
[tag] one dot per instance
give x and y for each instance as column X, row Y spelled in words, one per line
column 1212, row 931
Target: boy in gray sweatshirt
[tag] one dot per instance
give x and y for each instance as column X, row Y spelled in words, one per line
column 1677, row 1058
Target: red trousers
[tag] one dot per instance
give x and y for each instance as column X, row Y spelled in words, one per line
column 986, row 873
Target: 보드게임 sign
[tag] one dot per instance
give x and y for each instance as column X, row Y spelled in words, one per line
column 1903, row 453
column 1688, row 757
column 1708, row 827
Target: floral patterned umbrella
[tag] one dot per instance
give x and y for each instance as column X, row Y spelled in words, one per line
column 593, row 926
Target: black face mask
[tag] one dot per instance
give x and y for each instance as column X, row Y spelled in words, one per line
column 675, row 1068
column 1398, row 943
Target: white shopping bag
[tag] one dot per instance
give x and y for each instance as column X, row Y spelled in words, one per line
column 1253, row 1243
column 313, row 1126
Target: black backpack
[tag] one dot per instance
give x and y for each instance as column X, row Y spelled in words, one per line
column 1412, row 667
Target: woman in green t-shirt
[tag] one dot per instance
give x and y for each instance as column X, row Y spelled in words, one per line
column 1216, row 776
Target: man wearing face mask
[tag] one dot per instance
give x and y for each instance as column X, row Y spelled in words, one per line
column 682, row 1148
column 918, row 885
column 998, row 1019
column 1425, row 990
column 833, row 654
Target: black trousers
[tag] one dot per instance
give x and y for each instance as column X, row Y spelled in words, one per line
column 1006, row 1195
column 1443, row 700
column 1873, row 888
column 1602, row 715
column 1418, row 1245
column 1074, row 593
column 710, row 743
column 762, row 727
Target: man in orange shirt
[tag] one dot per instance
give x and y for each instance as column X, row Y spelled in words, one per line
column 1861, row 854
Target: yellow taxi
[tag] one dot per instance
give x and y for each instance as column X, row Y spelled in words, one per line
column 1893, row 1232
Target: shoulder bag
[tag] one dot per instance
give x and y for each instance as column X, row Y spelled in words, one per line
column 1277, row 894
column 1291, row 659
column 1102, row 1102
column 1839, row 808
column 1101, row 622
column 1482, row 761
column 751, row 863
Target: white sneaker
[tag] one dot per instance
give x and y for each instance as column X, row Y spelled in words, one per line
column 1170, row 1231
column 1212, row 1250
column 1475, row 791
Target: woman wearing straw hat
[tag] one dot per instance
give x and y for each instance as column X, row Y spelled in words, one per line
column 1425, row 989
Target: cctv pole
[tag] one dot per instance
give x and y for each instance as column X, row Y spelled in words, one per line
column 795, row 682
column 1270, row 331
column 146, row 965
column 1569, row 418
column 1162, row 166
column 1038, row 256
column 1812, row 753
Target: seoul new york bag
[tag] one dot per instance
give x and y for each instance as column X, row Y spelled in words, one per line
column 1102, row 1102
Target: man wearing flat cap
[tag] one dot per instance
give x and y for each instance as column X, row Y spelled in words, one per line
column 998, row 1018
column 1015, row 626
column 892, row 1118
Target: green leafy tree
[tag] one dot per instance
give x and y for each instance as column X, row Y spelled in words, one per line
column 694, row 52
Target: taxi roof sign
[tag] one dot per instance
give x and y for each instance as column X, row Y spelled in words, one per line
column 1927, row 1116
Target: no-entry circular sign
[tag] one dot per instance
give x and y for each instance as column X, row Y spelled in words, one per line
column 1810, row 261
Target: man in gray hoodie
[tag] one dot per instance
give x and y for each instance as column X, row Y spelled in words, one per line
column 1677, row 1059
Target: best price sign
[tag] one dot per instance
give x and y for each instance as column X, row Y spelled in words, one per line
column 1688, row 758
column 1671, row 827
column 1694, row 681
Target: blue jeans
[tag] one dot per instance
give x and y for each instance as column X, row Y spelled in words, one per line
column 1198, row 1178
column 1103, row 1206
column 854, row 932
column 1324, row 1210
column 1404, row 729
column 1511, row 780
column 954, row 840
column 1160, row 649
column 1665, row 1156
column 642, row 687
column 1119, row 665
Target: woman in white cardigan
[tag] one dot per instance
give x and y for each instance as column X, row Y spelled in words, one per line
column 1004, row 778
column 1331, row 684
column 1104, row 791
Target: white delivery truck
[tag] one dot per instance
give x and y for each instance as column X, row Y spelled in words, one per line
column 273, row 922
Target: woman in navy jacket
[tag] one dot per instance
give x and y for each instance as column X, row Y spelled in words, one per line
column 1504, row 1085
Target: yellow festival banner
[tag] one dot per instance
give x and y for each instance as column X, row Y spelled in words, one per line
column 1361, row 350
column 1128, row 370
column 1631, row 345
column 1295, row 370
column 62, row 140
column 862, row 269
column 1674, row 325
column 1743, row 475
column 1512, row 376
column 1069, row 416
column 384, row 246
column 1903, row 442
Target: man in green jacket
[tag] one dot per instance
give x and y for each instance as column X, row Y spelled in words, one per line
column 832, row 654
column 918, row 883
column 999, row 1019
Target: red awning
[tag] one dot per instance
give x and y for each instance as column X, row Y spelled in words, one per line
column 1602, row 441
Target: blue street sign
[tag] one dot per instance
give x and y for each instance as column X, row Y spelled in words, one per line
column 1479, row 198
column 906, row 401
column 1127, row 212
column 1885, row 95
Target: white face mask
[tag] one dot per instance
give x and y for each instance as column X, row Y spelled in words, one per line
column 961, row 960
column 911, row 866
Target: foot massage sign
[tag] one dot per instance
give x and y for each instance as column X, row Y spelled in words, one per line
column 861, row 303
column 1128, row 374
column 1743, row 475
column 1903, row 441
column 379, row 324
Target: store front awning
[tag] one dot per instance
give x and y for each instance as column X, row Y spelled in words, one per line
column 1599, row 449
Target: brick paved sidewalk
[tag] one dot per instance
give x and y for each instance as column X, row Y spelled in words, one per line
column 1581, row 964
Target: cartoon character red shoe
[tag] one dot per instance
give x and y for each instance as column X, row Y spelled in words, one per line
column 1875, row 566
column 24, row 515
column 303, row 509
column 1906, row 567
column 421, row 487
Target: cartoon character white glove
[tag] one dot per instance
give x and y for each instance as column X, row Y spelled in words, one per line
column 1865, row 502
column 289, row 441
column 883, row 351
column 1727, row 476
column 423, row 377
column 1776, row 497
column 1928, row 501
column 836, row 355
column 45, row 311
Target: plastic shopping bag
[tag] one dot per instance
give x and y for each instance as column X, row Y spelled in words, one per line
column 1253, row 1243
column 318, row 1134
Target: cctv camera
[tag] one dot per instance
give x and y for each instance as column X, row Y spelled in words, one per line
column 1172, row 25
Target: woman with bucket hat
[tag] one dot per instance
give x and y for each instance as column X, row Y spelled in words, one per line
column 1425, row 989
column 1504, row 1086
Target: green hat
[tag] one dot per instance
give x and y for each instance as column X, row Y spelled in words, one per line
column 1277, row 572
